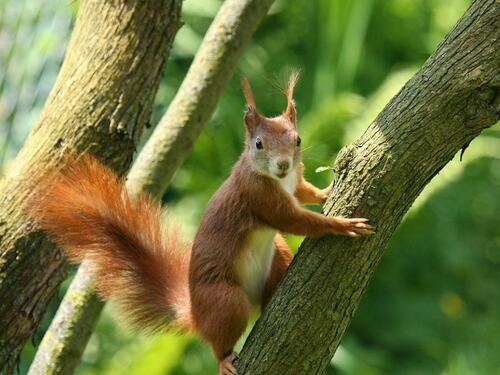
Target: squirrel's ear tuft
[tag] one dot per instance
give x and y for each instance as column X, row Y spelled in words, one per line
column 291, row 111
column 247, row 91
column 252, row 117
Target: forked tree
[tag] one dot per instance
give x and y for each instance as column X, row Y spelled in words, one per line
column 103, row 98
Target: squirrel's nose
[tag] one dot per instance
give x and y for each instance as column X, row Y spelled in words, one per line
column 283, row 164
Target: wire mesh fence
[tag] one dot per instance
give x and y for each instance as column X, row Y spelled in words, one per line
column 33, row 38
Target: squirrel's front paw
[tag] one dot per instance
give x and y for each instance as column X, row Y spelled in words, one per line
column 326, row 192
column 354, row 227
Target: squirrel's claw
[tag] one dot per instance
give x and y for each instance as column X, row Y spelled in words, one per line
column 226, row 366
column 354, row 227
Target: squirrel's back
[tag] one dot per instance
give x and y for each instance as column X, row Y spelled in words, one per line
column 138, row 261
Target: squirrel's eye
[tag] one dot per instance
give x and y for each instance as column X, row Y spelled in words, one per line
column 299, row 141
column 258, row 144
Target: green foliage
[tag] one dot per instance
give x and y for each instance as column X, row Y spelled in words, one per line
column 433, row 305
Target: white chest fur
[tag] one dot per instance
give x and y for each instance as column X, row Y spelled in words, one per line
column 257, row 257
column 289, row 183
column 256, row 261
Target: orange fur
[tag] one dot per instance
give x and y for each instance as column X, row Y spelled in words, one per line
column 138, row 262
column 153, row 275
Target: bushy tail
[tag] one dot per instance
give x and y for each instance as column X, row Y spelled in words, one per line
column 139, row 263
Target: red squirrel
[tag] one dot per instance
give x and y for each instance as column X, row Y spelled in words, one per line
column 238, row 255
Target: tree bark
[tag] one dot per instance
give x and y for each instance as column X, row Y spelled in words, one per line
column 439, row 111
column 63, row 344
column 100, row 103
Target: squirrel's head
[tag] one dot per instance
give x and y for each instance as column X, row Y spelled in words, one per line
column 273, row 144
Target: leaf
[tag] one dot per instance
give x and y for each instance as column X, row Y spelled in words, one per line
column 323, row 168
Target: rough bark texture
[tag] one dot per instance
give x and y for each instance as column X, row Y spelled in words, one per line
column 442, row 108
column 100, row 102
column 170, row 143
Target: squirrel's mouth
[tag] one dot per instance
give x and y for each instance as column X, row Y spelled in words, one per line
column 281, row 175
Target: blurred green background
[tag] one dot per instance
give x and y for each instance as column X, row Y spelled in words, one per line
column 433, row 306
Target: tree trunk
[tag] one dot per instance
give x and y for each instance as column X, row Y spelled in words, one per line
column 100, row 103
column 439, row 111
column 172, row 140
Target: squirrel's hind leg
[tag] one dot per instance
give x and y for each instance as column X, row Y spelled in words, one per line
column 220, row 313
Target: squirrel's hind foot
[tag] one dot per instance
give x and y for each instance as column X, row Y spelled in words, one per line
column 226, row 366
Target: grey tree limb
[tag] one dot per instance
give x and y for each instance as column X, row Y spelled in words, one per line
column 452, row 98
column 100, row 102
column 61, row 348
column 197, row 97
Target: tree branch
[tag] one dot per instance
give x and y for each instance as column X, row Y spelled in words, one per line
column 197, row 97
column 63, row 344
column 101, row 100
column 169, row 145
column 442, row 108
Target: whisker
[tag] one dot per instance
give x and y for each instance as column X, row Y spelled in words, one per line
column 307, row 148
column 321, row 161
